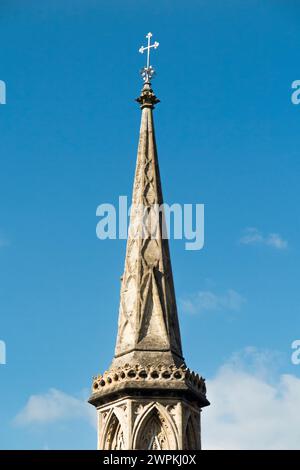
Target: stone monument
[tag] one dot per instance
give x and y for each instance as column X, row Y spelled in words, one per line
column 148, row 398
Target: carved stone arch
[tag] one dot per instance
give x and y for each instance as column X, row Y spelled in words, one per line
column 155, row 430
column 190, row 435
column 113, row 436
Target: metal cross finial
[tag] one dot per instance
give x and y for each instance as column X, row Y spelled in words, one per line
column 148, row 71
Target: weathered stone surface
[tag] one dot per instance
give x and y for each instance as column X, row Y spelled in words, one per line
column 148, row 314
column 160, row 377
column 148, row 398
column 147, row 423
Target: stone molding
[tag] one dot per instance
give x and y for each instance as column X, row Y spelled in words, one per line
column 150, row 376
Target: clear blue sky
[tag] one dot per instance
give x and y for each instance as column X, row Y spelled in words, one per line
column 228, row 137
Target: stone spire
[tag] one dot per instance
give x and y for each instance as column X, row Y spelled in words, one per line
column 148, row 398
column 148, row 328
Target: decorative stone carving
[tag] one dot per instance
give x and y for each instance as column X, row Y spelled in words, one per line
column 162, row 374
column 154, row 428
column 138, row 408
column 154, row 435
column 140, row 423
column 118, row 441
column 114, row 438
column 148, row 313
column 148, row 398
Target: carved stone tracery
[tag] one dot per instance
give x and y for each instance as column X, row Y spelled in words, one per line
column 147, row 299
column 148, row 398
column 153, row 436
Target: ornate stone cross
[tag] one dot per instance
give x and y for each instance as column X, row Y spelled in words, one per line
column 148, row 71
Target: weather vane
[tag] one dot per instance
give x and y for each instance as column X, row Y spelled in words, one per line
column 148, row 71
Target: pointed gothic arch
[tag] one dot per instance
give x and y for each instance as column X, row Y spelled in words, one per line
column 154, row 430
column 190, row 438
column 113, row 434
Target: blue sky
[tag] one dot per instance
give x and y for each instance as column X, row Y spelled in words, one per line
column 227, row 137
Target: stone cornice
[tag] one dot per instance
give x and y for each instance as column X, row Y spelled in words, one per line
column 138, row 377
